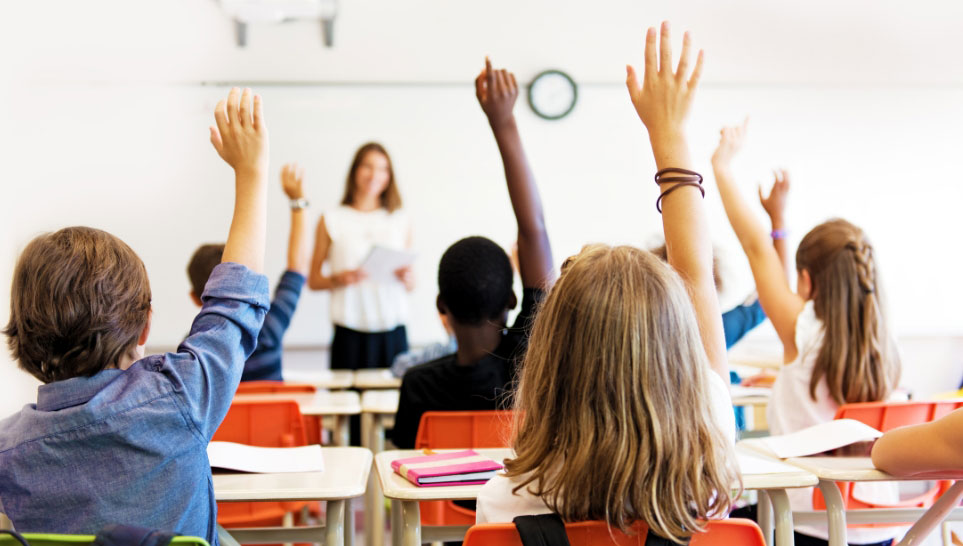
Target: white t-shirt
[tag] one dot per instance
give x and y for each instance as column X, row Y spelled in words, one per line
column 791, row 409
column 498, row 504
column 367, row 306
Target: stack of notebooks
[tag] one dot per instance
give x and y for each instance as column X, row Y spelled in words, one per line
column 454, row 468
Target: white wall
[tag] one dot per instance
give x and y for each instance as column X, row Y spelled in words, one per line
column 110, row 101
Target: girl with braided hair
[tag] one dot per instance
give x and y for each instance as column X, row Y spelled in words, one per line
column 836, row 345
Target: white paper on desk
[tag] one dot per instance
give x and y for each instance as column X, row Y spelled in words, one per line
column 232, row 456
column 816, row 439
column 738, row 391
column 750, row 464
column 381, row 263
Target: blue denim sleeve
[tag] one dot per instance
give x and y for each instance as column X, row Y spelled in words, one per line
column 207, row 367
column 739, row 321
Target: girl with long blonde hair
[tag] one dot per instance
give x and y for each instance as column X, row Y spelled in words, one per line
column 622, row 409
column 836, row 344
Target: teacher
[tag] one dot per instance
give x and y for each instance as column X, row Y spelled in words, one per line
column 369, row 316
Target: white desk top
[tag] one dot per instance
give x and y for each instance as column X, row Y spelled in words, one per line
column 319, row 403
column 376, row 378
column 857, row 469
column 323, row 379
column 757, row 473
column 345, row 476
column 380, row 401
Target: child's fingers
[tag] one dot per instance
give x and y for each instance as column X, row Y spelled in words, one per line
column 232, row 106
column 489, row 75
column 244, row 110
column 258, row 113
column 685, row 58
column 480, row 85
column 220, row 117
column 762, row 198
column 512, row 82
column 665, row 49
column 502, row 83
column 631, row 81
column 216, row 139
column 651, row 65
column 697, row 71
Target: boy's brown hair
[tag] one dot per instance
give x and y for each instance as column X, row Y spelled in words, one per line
column 202, row 263
column 79, row 302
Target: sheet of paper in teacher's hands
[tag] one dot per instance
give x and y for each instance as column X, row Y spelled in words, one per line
column 382, row 262
column 245, row 458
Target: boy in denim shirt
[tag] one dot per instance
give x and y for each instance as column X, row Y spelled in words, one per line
column 116, row 437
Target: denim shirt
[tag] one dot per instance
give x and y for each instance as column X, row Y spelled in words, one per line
column 130, row 446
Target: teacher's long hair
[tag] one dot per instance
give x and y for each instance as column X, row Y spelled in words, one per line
column 390, row 197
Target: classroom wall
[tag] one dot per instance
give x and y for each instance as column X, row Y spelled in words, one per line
column 109, row 103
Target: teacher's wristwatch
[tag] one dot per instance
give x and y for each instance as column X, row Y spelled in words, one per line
column 298, row 204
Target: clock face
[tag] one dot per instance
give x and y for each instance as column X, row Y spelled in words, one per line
column 552, row 94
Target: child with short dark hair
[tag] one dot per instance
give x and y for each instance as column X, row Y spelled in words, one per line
column 265, row 363
column 115, row 437
column 475, row 288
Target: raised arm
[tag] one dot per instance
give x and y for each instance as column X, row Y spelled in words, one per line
column 775, row 205
column 299, row 259
column 496, row 91
column 662, row 102
column 241, row 140
column 898, row 451
column 780, row 303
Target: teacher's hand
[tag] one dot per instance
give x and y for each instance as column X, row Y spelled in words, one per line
column 406, row 276
column 351, row 276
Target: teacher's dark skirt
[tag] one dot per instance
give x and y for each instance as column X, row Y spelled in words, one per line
column 354, row 350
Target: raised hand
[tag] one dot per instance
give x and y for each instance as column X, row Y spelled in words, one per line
column 292, row 177
column 665, row 96
column 496, row 91
column 731, row 140
column 240, row 136
column 775, row 203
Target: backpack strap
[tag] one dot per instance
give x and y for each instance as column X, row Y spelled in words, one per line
column 652, row 539
column 16, row 536
column 541, row 530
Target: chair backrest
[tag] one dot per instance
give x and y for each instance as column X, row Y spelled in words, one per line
column 730, row 532
column 263, row 424
column 464, row 429
column 885, row 416
column 48, row 539
column 273, row 387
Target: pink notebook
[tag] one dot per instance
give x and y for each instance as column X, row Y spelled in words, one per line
column 455, row 468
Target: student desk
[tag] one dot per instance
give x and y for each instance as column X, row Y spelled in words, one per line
column 378, row 408
column 829, row 470
column 322, row 379
column 772, row 477
column 336, row 405
column 344, row 477
column 375, row 378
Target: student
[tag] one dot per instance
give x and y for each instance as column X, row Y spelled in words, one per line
column 622, row 412
column 116, row 437
column 369, row 316
column 898, row 451
column 833, row 329
column 265, row 362
column 475, row 287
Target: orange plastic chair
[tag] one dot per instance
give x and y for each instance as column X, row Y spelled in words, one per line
column 312, row 423
column 729, row 532
column 459, row 430
column 885, row 416
column 263, row 424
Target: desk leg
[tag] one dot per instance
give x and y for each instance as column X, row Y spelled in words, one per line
column 334, row 523
column 395, row 522
column 835, row 512
column 783, row 516
column 411, row 523
column 341, row 431
column 937, row 513
column 764, row 515
column 348, row 523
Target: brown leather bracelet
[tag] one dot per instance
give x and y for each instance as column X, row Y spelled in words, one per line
column 658, row 202
column 674, row 170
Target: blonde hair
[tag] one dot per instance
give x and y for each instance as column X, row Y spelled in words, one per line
column 856, row 359
column 612, row 419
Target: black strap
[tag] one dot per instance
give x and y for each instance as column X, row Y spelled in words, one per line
column 653, row 539
column 16, row 536
column 131, row 535
column 541, row 530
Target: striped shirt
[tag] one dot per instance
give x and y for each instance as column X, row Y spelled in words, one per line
column 265, row 362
